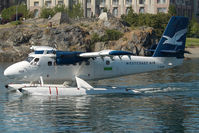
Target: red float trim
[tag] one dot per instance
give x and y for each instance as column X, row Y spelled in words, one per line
column 49, row 90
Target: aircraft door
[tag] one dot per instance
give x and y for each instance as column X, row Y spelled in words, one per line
column 47, row 68
column 34, row 64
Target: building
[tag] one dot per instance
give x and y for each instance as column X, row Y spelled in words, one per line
column 196, row 9
column 36, row 5
column 4, row 4
column 117, row 7
column 184, row 7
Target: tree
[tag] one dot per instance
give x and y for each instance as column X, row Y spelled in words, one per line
column 9, row 14
column 76, row 11
column 193, row 29
column 60, row 8
column 46, row 12
column 172, row 10
column 131, row 18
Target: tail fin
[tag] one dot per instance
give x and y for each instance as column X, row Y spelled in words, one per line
column 172, row 43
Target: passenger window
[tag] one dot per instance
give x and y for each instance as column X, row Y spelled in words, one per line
column 36, row 60
column 107, row 62
column 50, row 63
column 87, row 63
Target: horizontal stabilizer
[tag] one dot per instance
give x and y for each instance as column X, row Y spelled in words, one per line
column 104, row 53
column 150, row 50
column 174, row 51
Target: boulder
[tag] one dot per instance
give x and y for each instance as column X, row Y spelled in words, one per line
column 59, row 18
column 103, row 16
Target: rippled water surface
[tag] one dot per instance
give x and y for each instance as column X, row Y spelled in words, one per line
column 169, row 102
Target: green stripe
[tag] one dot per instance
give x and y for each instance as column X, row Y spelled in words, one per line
column 107, row 68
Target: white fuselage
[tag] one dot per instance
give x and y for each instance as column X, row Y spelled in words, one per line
column 93, row 69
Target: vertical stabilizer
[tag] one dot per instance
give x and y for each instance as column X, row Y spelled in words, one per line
column 172, row 43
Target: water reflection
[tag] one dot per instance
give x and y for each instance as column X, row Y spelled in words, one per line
column 98, row 113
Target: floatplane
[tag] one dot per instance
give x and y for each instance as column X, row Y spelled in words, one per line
column 47, row 64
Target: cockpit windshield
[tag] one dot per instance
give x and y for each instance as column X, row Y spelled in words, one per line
column 29, row 59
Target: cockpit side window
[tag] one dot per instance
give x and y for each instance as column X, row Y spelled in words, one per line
column 29, row 59
column 51, row 52
column 36, row 60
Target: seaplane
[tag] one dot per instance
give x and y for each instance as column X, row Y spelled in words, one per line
column 47, row 64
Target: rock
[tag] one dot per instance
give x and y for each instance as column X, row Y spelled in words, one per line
column 59, row 18
column 103, row 16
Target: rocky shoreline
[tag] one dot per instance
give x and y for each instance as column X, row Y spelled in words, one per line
column 81, row 35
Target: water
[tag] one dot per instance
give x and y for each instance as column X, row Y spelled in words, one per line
column 169, row 102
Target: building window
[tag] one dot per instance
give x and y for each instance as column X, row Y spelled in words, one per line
column 161, row 1
column 88, row 2
column 36, row 3
column 101, row 10
column 48, row 3
column 141, row 1
column 198, row 4
column 115, row 2
column 88, row 12
column 36, row 13
column 60, row 2
column 74, row 2
column 127, row 10
column 162, row 10
column 115, row 11
column 128, row 2
column 141, row 10
column 102, row 2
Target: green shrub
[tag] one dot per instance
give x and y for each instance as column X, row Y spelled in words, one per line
column 95, row 38
column 111, row 35
column 9, row 14
column 16, row 22
column 172, row 10
column 76, row 11
column 157, row 21
column 46, row 12
column 193, row 29
column 60, row 8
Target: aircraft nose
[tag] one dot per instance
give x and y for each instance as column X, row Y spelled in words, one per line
column 10, row 72
column 6, row 72
column 15, row 70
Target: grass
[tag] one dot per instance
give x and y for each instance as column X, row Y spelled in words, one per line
column 192, row 42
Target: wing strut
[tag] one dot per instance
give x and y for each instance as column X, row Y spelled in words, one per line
column 83, row 84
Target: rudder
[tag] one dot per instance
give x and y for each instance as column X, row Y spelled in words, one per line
column 172, row 43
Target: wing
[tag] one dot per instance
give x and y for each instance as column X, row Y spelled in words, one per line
column 38, row 48
column 104, row 53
